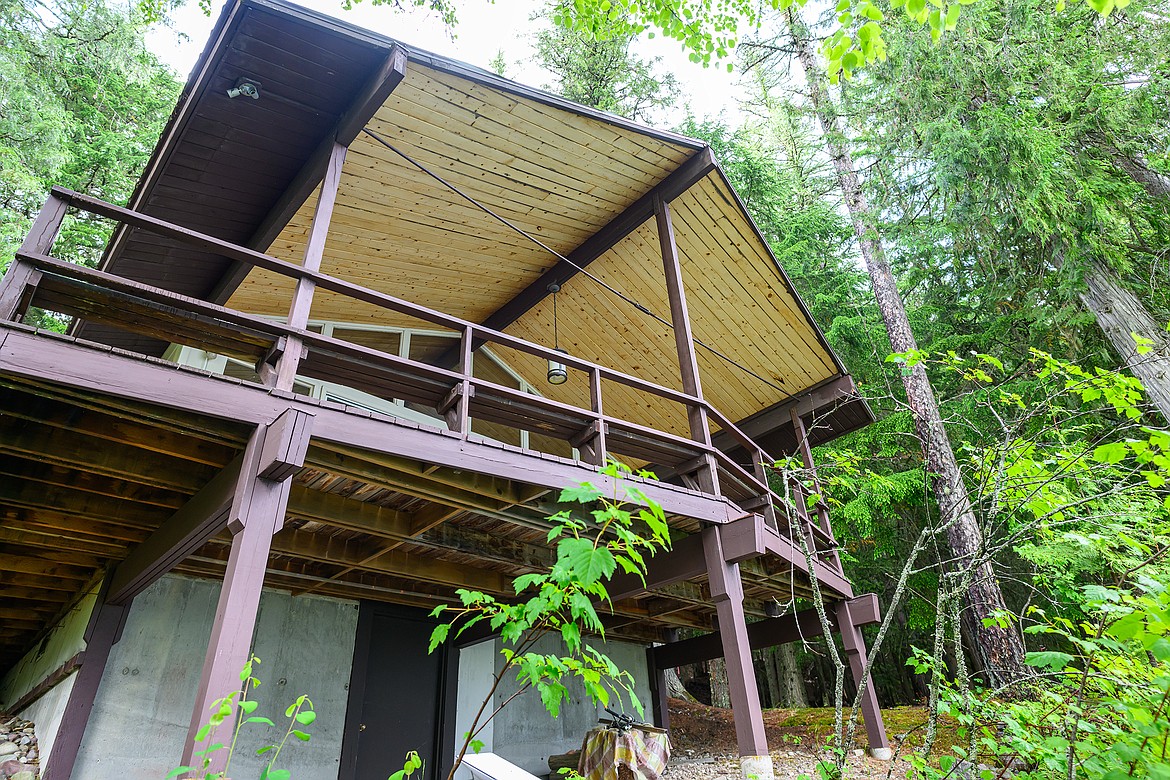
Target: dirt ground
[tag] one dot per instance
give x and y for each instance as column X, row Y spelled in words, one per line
column 704, row 747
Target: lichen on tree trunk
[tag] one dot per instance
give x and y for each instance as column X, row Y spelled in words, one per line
column 1002, row 648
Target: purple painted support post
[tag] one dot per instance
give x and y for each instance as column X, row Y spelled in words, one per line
column 727, row 593
column 685, row 344
column 302, row 303
column 21, row 278
column 854, row 642
column 257, row 512
column 801, row 433
column 658, row 692
column 456, row 407
column 102, row 633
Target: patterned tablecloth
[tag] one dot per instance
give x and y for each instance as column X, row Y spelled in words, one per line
column 605, row 750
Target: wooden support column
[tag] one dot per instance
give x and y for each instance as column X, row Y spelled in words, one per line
column 20, row 280
column 298, row 314
column 854, row 642
column 822, row 512
column 659, row 694
column 727, row 593
column 257, row 512
column 102, row 633
column 685, row 344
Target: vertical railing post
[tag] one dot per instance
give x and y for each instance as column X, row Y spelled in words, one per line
column 592, row 441
column 760, row 468
column 20, row 280
column 282, row 376
column 456, row 408
column 801, row 433
column 685, row 344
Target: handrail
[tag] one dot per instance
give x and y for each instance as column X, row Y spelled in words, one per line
column 35, row 257
column 359, row 292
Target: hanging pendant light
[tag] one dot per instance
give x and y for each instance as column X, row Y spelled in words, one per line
column 558, row 373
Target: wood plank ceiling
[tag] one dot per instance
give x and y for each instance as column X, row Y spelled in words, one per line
column 561, row 176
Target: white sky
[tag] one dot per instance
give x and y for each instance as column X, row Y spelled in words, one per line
column 483, row 29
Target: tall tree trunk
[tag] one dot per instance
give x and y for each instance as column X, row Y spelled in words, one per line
column 1002, row 648
column 768, row 657
column 1120, row 314
column 717, row 674
column 675, row 688
column 792, row 692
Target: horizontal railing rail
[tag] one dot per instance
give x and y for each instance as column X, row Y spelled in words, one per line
column 37, row 278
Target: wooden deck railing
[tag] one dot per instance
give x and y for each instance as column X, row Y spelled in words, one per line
column 38, row 279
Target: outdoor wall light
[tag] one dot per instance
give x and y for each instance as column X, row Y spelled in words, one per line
column 245, row 88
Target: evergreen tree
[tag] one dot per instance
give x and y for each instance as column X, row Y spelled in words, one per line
column 83, row 105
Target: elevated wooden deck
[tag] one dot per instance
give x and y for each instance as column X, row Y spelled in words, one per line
column 106, row 445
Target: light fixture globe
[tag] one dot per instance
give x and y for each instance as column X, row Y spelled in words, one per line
column 558, row 374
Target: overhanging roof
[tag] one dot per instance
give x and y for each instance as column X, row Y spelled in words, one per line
column 567, row 174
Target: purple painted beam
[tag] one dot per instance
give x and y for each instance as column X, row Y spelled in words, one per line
column 684, row 342
column 96, row 369
column 102, row 633
column 684, row 561
column 854, row 642
column 763, row 634
column 727, row 593
column 203, row 516
column 257, row 512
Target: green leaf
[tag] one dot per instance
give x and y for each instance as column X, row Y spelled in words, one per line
column 179, row 770
column 302, row 736
column 572, row 636
column 260, row 719
column 306, row 717
column 1048, row 659
column 587, row 563
column 438, row 636
column 952, row 21
column 1111, row 453
column 525, row 581
column 586, row 492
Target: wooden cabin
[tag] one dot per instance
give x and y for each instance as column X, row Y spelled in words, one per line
column 314, row 386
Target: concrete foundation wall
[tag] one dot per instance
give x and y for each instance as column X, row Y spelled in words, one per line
column 66, row 640
column 524, row 733
column 140, row 718
column 306, row 645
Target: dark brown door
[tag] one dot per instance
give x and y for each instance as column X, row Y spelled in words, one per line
column 395, row 695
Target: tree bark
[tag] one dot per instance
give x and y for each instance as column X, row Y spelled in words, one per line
column 1119, row 312
column 771, row 677
column 1001, row 648
column 717, row 674
column 792, row 693
column 675, row 688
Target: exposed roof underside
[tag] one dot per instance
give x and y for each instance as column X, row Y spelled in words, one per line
column 554, row 169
